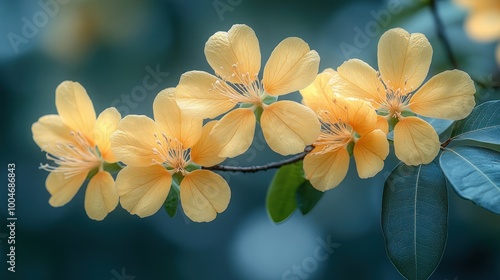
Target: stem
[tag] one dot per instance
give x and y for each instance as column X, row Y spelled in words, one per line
column 256, row 168
column 442, row 35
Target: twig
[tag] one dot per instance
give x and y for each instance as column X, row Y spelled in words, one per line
column 256, row 168
column 442, row 34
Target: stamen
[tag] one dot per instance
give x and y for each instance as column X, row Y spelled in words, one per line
column 172, row 153
column 335, row 133
column 245, row 89
column 73, row 158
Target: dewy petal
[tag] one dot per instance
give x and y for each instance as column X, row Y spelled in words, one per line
column 326, row 170
column 106, row 124
column 134, row 140
column 289, row 127
column 360, row 80
column 206, row 151
column 61, row 188
column 370, row 152
column 234, row 132
column 197, row 96
column 203, row 195
column 484, row 25
column 415, row 141
column 50, row 130
column 403, row 59
column 291, row 67
column 319, row 93
column 176, row 124
column 234, row 52
column 448, row 95
column 75, row 108
column 100, row 196
column 143, row 190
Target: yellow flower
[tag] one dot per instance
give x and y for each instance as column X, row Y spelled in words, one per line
column 483, row 23
column 155, row 150
column 235, row 57
column 78, row 143
column 404, row 61
column 347, row 125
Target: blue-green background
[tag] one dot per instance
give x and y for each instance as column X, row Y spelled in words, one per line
column 108, row 46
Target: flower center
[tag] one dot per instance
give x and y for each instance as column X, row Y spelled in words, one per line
column 335, row 132
column 244, row 87
column 172, row 153
column 396, row 100
column 74, row 158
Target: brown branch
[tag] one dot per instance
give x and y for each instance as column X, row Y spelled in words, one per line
column 256, row 168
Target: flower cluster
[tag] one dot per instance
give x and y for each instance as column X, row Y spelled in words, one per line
column 345, row 112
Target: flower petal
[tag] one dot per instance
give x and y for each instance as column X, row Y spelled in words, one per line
column 234, row 52
column 292, row 66
column 134, row 140
column 234, row 132
column 289, row 127
column 100, row 196
column 197, row 96
column 361, row 116
column 319, row 93
column 403, row 59
column 206, row 151
column 203, row 195
column 415, row 141
column 106, row 124
column 175, row 123
column 370, row 152
column 143, row 190
column 326, row 170
column 382, row 124
column 448, row 95
column 484, row 25
column 360, row 80
column 75, row 108
column 50, row 130
column 61, row 188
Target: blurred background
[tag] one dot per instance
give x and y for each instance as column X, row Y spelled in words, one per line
column 111, row 46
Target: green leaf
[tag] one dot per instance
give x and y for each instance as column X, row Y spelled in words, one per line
column 280, row 200
column 172, row 201
column 474, row 173
column 482, row 125
column 414, row 218
column 307, row 197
